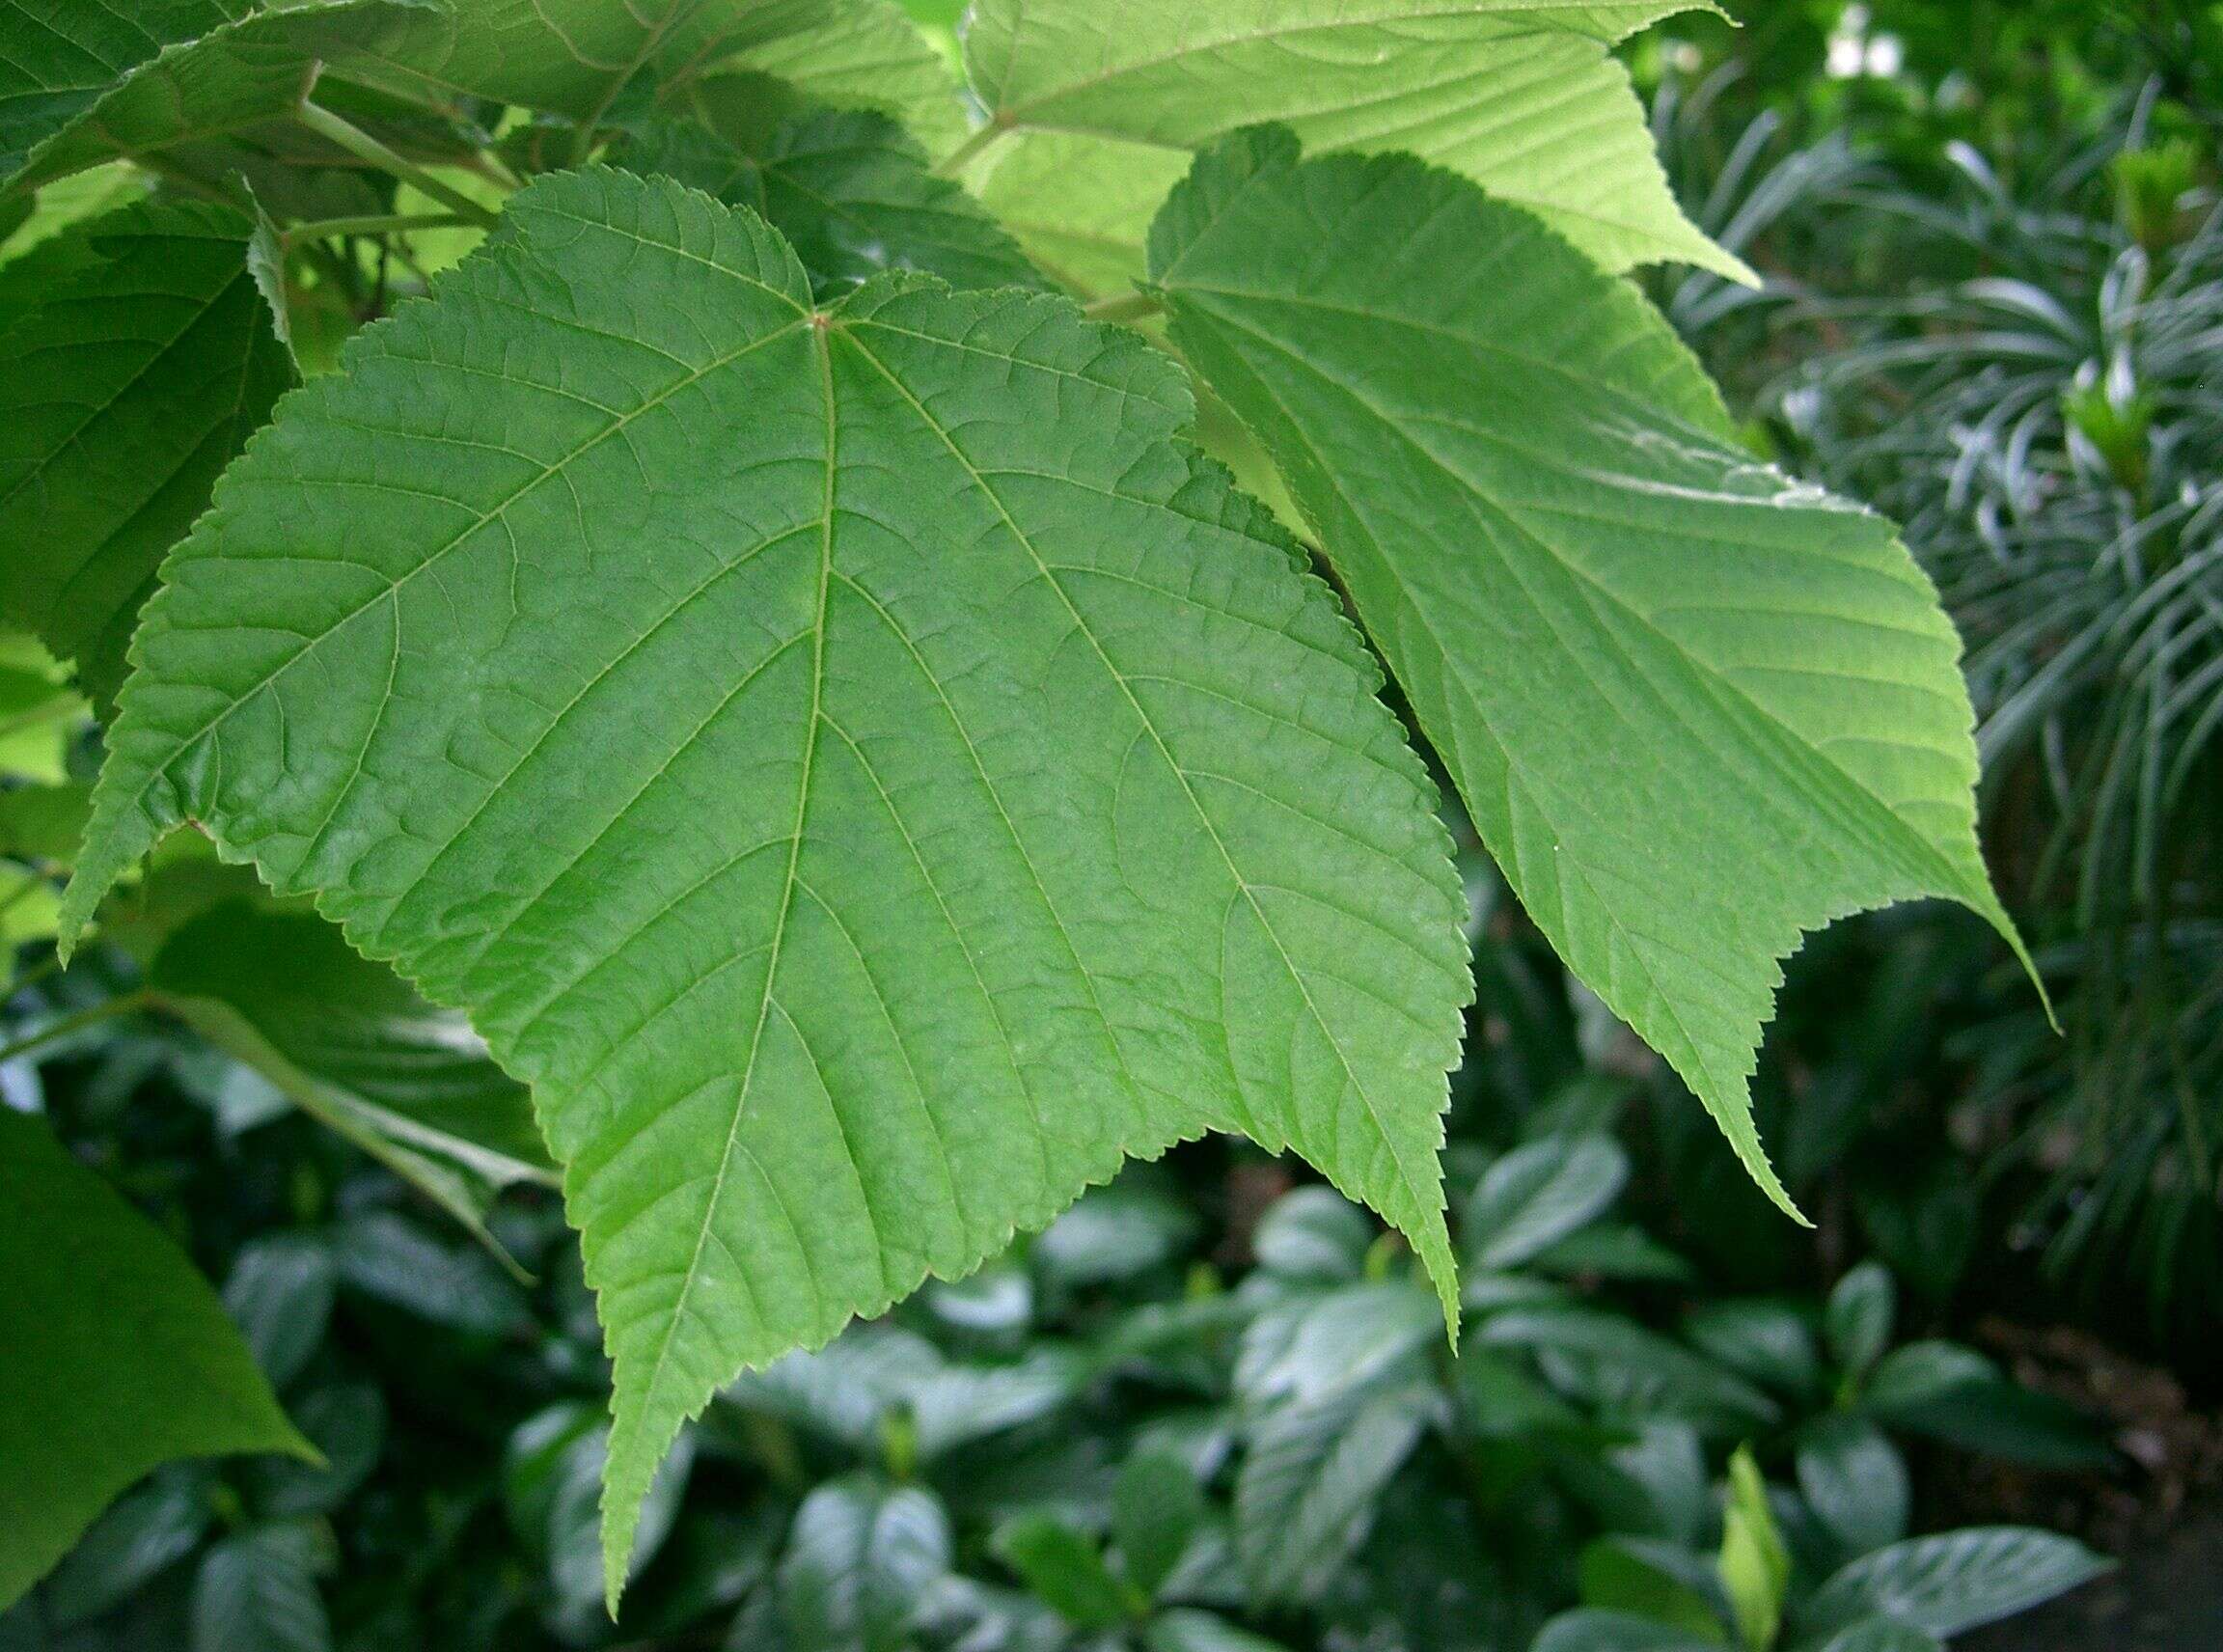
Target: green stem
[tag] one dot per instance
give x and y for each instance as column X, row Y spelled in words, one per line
column 954, row 163
column 366, row 147
column 69, row 1023
column 1131, row 307
column 325, row 229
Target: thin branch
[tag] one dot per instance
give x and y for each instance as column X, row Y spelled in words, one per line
column 124, row 1005
column 326, row 229
column 366, row 147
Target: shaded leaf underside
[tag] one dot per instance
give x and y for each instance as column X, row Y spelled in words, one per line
column 102, row 84
column 122, row 395
column 1525, row 98
column 862, row 767
column 852, row 193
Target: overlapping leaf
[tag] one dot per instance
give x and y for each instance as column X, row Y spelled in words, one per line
column 165, row 74
column 579, row 57
column 102, row 83
column 147, row 360
column 119, row 1355
column 63, row 56
column 861, row 766
column 1522, row 96
column 349, row 1043
column 1693, row 708
column 851, row 191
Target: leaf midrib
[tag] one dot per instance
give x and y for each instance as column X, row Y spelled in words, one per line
column 1412, row 1183
column 788, row 887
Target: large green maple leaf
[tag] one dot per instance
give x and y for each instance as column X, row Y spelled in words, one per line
column 1695, row 707
column 860, row 765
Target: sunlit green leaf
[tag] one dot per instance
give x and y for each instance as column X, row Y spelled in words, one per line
column 1521, row 96
column 1695, row 707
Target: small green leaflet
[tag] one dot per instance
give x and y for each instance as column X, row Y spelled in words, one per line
column 1522, row 96
column 145, row 364
column 119, row 1356
column 863, row 767
column 1693, row 708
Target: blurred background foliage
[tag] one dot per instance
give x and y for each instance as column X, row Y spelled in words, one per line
column 1210, row 1410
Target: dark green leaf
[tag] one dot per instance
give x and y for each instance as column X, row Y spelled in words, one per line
column 1156, row 1507
column 1614, row 1251
column 1659, row 1583
column 1066, row 1567
column 1858, row 1319
column 120, row 1355
column 1854, row 1481
column 1589, row 1630
column 852, row 192
column 1955, row 1581
column 1314, row 1233
column 1619, row 1362
column 346, row 1421
column 1306, row 1494
column 352, row 1044
column 1882, row 1635
column 1113, row 1233
column 123, row 393
column 143, row 1532
column 1770, row 1341
column 1310, row 1346
column 257, row 1592
column 384, row 1256
column 211, row 67
column 1538, row 1194
column 861, row 1558
column 1190, row 1631
column 278, row 1292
